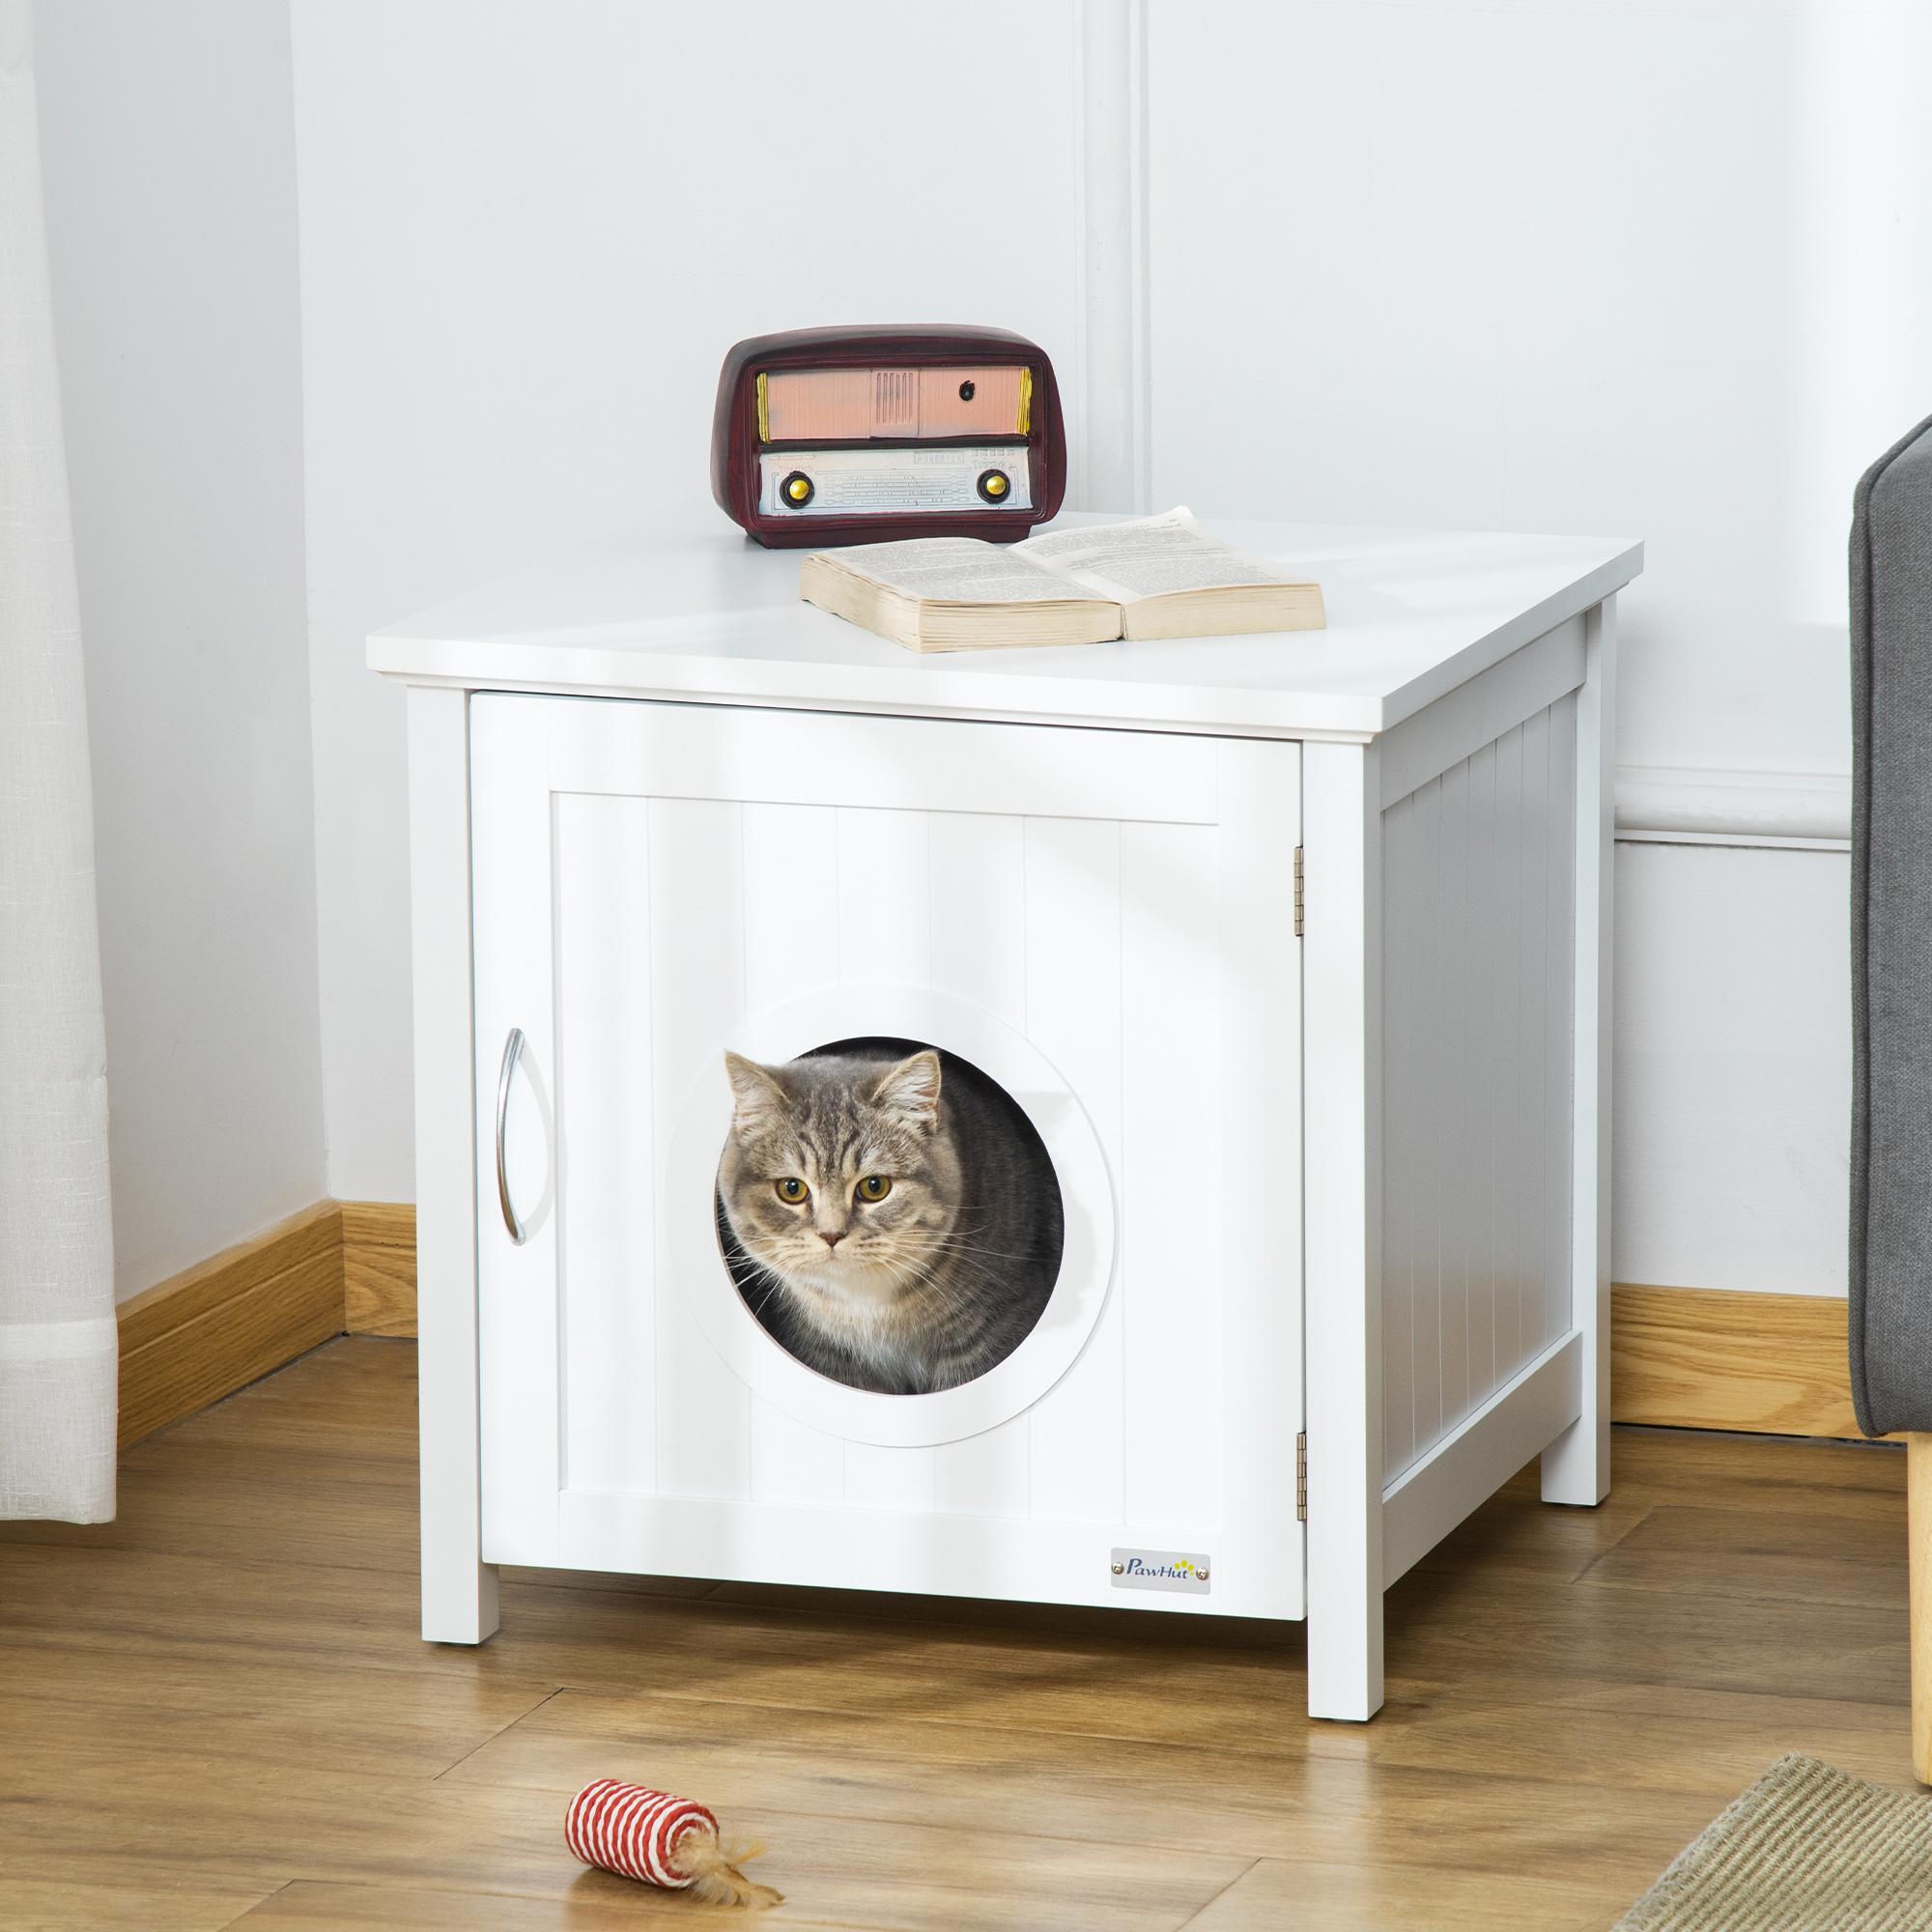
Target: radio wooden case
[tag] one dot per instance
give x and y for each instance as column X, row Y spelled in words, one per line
column 862, row 435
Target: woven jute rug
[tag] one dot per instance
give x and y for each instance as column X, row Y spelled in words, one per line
column 1806, row 1849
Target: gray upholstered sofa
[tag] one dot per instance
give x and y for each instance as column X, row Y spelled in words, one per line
column 1891, row 996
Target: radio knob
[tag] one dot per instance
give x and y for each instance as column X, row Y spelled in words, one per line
column 995, row 485
column 796, row 491
column 965, row 393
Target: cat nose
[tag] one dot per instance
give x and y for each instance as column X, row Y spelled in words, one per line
column 832, row 1240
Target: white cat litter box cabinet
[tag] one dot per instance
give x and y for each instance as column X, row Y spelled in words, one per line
column 1293, row 948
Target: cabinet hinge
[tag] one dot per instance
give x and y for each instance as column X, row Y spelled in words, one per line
column 1298, row 892
column 1301, row 1477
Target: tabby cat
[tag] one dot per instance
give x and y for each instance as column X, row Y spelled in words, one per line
column 889, row 1213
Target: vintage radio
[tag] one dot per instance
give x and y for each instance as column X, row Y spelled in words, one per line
column 845, row 435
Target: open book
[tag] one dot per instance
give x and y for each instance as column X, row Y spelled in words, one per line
column 1162, row 577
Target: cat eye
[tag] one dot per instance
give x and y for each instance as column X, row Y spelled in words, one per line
column 791, row 1189
column 874, row 1187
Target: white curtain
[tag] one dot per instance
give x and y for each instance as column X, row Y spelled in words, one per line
column 59, row 1357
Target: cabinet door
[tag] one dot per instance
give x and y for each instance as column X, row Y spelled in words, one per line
column 1103, row 922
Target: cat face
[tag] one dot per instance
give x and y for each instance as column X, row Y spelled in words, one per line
column 840, row 1178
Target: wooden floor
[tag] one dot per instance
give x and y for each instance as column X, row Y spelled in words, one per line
column 216, row 1710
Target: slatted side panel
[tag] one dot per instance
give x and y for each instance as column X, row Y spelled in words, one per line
column 1095, row 938
column 1477, row 881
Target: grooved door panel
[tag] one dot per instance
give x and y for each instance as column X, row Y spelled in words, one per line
column 667, row 920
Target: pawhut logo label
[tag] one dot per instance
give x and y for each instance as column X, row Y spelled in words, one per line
column 1161, row 1570
column 1182, row 1566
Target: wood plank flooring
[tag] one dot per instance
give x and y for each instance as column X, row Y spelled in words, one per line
column 215, row 1710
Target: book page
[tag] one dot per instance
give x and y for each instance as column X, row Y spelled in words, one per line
column 1149, row 558
column 960, row 570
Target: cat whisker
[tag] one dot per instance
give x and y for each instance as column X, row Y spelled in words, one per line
column 950, row 1244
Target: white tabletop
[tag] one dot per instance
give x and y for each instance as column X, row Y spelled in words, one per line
column 703, row 612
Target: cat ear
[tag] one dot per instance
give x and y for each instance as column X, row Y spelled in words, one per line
column 756, row 1097
column 910, row 1091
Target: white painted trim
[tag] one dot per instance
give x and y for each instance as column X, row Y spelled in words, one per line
column 1577, row 1464
column 1466, row 1469
column 1167, row 723
column 1140, row 272
column 1744, row 842
column 1425, row 746
column 1665, row 804
column 1114, row 468
column 998, row 1558
column 1342, row 1218
column 1261, row 1034
column 458, row 1589
column 749, row 753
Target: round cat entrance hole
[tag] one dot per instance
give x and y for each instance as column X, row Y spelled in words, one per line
column 890, row 1214
column 847, row 1066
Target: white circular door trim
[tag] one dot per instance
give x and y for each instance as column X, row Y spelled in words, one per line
column 1087, row 1198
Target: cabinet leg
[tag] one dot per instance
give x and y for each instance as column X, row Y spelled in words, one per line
column 458, row 1589
column 460, row 1604
column 1577, row 1465
column 1342, row 1287
column 1345, row 1658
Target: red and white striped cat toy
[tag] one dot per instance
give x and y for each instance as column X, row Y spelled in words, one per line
column 662, row 1840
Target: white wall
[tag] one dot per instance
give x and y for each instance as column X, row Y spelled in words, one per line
column 1733, row 1068
column 1543, row 266
column 1647, row 269
column 1662, row 269
column 168, row 149
column 529, row 233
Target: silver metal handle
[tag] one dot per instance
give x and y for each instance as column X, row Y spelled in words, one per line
column 512, row 1046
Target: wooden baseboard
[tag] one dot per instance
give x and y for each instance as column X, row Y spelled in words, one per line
column 201, row 1336
column 378, row 1268
column 1717, row 1358
column 1680, row 1357
column 340, row 1265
